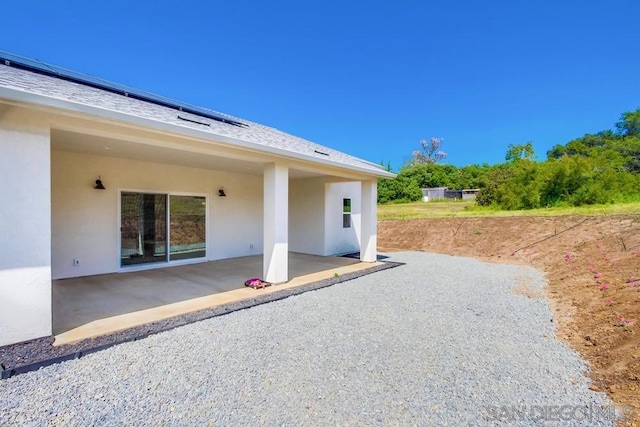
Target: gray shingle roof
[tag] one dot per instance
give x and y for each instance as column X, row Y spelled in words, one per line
column 264, row 137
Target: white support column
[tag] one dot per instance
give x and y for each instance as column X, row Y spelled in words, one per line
column 369, row 221
column 276, row 223
column 25, row 230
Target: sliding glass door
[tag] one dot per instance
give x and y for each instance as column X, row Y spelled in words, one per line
column 143, row 228
column 188, row 227
column 149, row 221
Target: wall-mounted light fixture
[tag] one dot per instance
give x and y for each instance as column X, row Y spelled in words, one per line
column 99, row 185
column 221, row 193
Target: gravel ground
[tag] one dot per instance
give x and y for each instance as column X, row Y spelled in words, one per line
column 440, row 341
column 31, row 355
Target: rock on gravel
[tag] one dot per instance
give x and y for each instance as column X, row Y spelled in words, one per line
column 442, row 340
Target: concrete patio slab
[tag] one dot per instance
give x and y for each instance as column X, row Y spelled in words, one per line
column 90, row 306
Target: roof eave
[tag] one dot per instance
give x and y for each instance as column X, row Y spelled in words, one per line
column 74, row 107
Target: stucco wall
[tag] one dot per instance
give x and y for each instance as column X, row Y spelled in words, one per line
column 339, row 240
column 306, row 216
column 85, row 221
column 25, row 227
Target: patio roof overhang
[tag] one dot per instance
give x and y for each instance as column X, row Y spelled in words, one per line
column 105, row 123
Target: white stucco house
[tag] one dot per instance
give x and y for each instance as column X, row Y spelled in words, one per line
column 177, row 184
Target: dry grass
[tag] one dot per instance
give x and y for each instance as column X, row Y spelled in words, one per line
column 461, row 209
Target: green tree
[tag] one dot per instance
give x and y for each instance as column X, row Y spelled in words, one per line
column 496, row 177
column 473, row 176
column 629, row 124
column 520, row 152
column 629, row 149
column 401, row 189
column 603, row 167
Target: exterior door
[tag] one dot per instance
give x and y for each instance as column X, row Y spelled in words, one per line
column 143, row 228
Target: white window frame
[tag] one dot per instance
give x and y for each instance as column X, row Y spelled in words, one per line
column 345, row 213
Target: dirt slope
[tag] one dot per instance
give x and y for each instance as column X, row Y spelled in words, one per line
column 593, row 268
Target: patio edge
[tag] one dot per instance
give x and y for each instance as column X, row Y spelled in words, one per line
column 39, row 353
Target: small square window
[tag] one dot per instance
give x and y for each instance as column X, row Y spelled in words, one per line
column 346, row 205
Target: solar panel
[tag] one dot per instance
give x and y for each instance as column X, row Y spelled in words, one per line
column 36, row 66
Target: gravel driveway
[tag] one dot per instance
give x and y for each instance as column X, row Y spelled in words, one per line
column 442, row 340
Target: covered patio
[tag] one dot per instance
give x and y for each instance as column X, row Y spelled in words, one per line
column 106, row 183
column 86, row 307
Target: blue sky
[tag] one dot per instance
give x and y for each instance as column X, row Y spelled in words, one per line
column 370, row 78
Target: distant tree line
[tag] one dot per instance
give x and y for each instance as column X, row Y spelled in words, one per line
column 596, row 168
